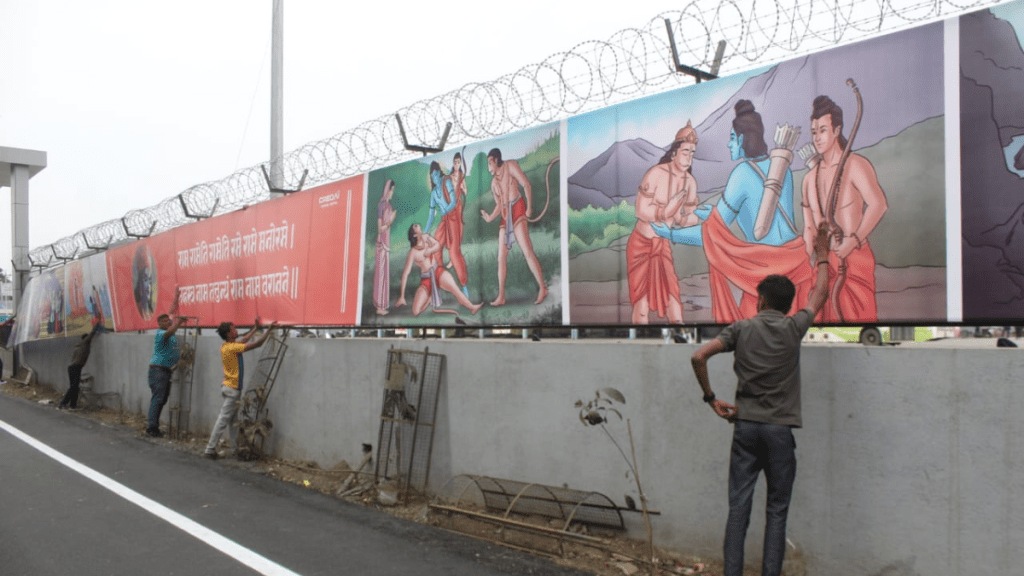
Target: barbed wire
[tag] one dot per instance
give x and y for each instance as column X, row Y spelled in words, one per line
column 632, row 63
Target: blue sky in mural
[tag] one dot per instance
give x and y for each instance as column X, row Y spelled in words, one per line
column 649, row 118
column 1014, row 14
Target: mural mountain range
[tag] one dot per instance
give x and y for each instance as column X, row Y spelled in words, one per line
column 783, row 94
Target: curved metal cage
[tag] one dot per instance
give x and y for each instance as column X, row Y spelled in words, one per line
column 514, row 498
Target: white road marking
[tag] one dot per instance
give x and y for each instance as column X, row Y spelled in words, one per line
column 198, row 531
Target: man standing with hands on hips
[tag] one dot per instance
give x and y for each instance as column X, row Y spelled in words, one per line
column 166, row 354
column 767, row 365
column 234, row 372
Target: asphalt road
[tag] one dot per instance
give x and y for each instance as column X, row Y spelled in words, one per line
column 79, row 497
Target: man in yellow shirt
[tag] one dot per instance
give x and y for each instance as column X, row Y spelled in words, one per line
column 234, row 371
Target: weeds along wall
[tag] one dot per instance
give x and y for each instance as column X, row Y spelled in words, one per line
column 909, row 457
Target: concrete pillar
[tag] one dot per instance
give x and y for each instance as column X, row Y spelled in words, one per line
column 19, row 229
column 17, row 167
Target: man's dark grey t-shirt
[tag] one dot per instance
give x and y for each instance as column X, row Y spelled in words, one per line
column 767, row 364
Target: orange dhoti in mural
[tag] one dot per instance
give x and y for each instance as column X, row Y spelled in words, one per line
column 449, row 234
column 744, row 264
column 652, row 272
column 856, row 298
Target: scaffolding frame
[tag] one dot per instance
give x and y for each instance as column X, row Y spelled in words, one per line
column 408, row 412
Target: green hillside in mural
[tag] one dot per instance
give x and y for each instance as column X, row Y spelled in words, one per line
column 480, row 240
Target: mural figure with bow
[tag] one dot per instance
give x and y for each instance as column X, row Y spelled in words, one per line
column 842, row 190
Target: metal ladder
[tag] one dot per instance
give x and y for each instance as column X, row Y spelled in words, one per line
column 184, row 374
column 253, row 424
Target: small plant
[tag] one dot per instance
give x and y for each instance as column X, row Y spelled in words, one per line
column 596, row 412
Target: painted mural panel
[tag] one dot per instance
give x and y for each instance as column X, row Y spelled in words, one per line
column 292, row 259
column 87, row 298
column 331, row 288
column 66, row 301
column 142, row 281
column 992, row 164
column 680, row 203
column 41, row 311
column 245, row 264
column 467, row 237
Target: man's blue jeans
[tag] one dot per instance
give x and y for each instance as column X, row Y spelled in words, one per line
column 160, row 386
column 756, row 447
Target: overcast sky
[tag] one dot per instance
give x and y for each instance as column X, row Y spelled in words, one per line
column 135, row 101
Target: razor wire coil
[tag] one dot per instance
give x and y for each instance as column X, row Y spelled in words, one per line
column 632, row 63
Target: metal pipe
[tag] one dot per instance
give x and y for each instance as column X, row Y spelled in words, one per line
column 277, row 95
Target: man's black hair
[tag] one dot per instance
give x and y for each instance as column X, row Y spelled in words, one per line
column 496, row 154
column 224, row 329
column 778, row 292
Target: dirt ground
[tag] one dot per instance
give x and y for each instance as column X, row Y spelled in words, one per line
column 605, row 553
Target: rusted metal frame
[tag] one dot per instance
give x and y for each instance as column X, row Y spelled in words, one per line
column 186, row 378
column 262, row 392
column 383, row 464
column 381, row 468
column 381, row 453
column 511, row 500
column 280, row 350
column 519, row 524
column 403, row 492
column 433, row 418
column 520, row 494
column 568, row 521
column 275, row 365
column 466, row 487
column 576, row 504
column 483, row 492
column 507, row 496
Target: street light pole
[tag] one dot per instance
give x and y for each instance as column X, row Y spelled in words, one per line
column 277, row 97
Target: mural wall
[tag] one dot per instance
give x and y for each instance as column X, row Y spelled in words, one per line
column 662, row 211
column 293, row 259
column 992, row 164
column 468, row 237
column 681, row 203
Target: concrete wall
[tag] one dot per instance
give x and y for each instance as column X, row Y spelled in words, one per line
column 910, row 459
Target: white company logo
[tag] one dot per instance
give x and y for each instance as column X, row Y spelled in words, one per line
column 331, row 199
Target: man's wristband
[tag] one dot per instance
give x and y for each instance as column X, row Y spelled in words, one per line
column 709, row 398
